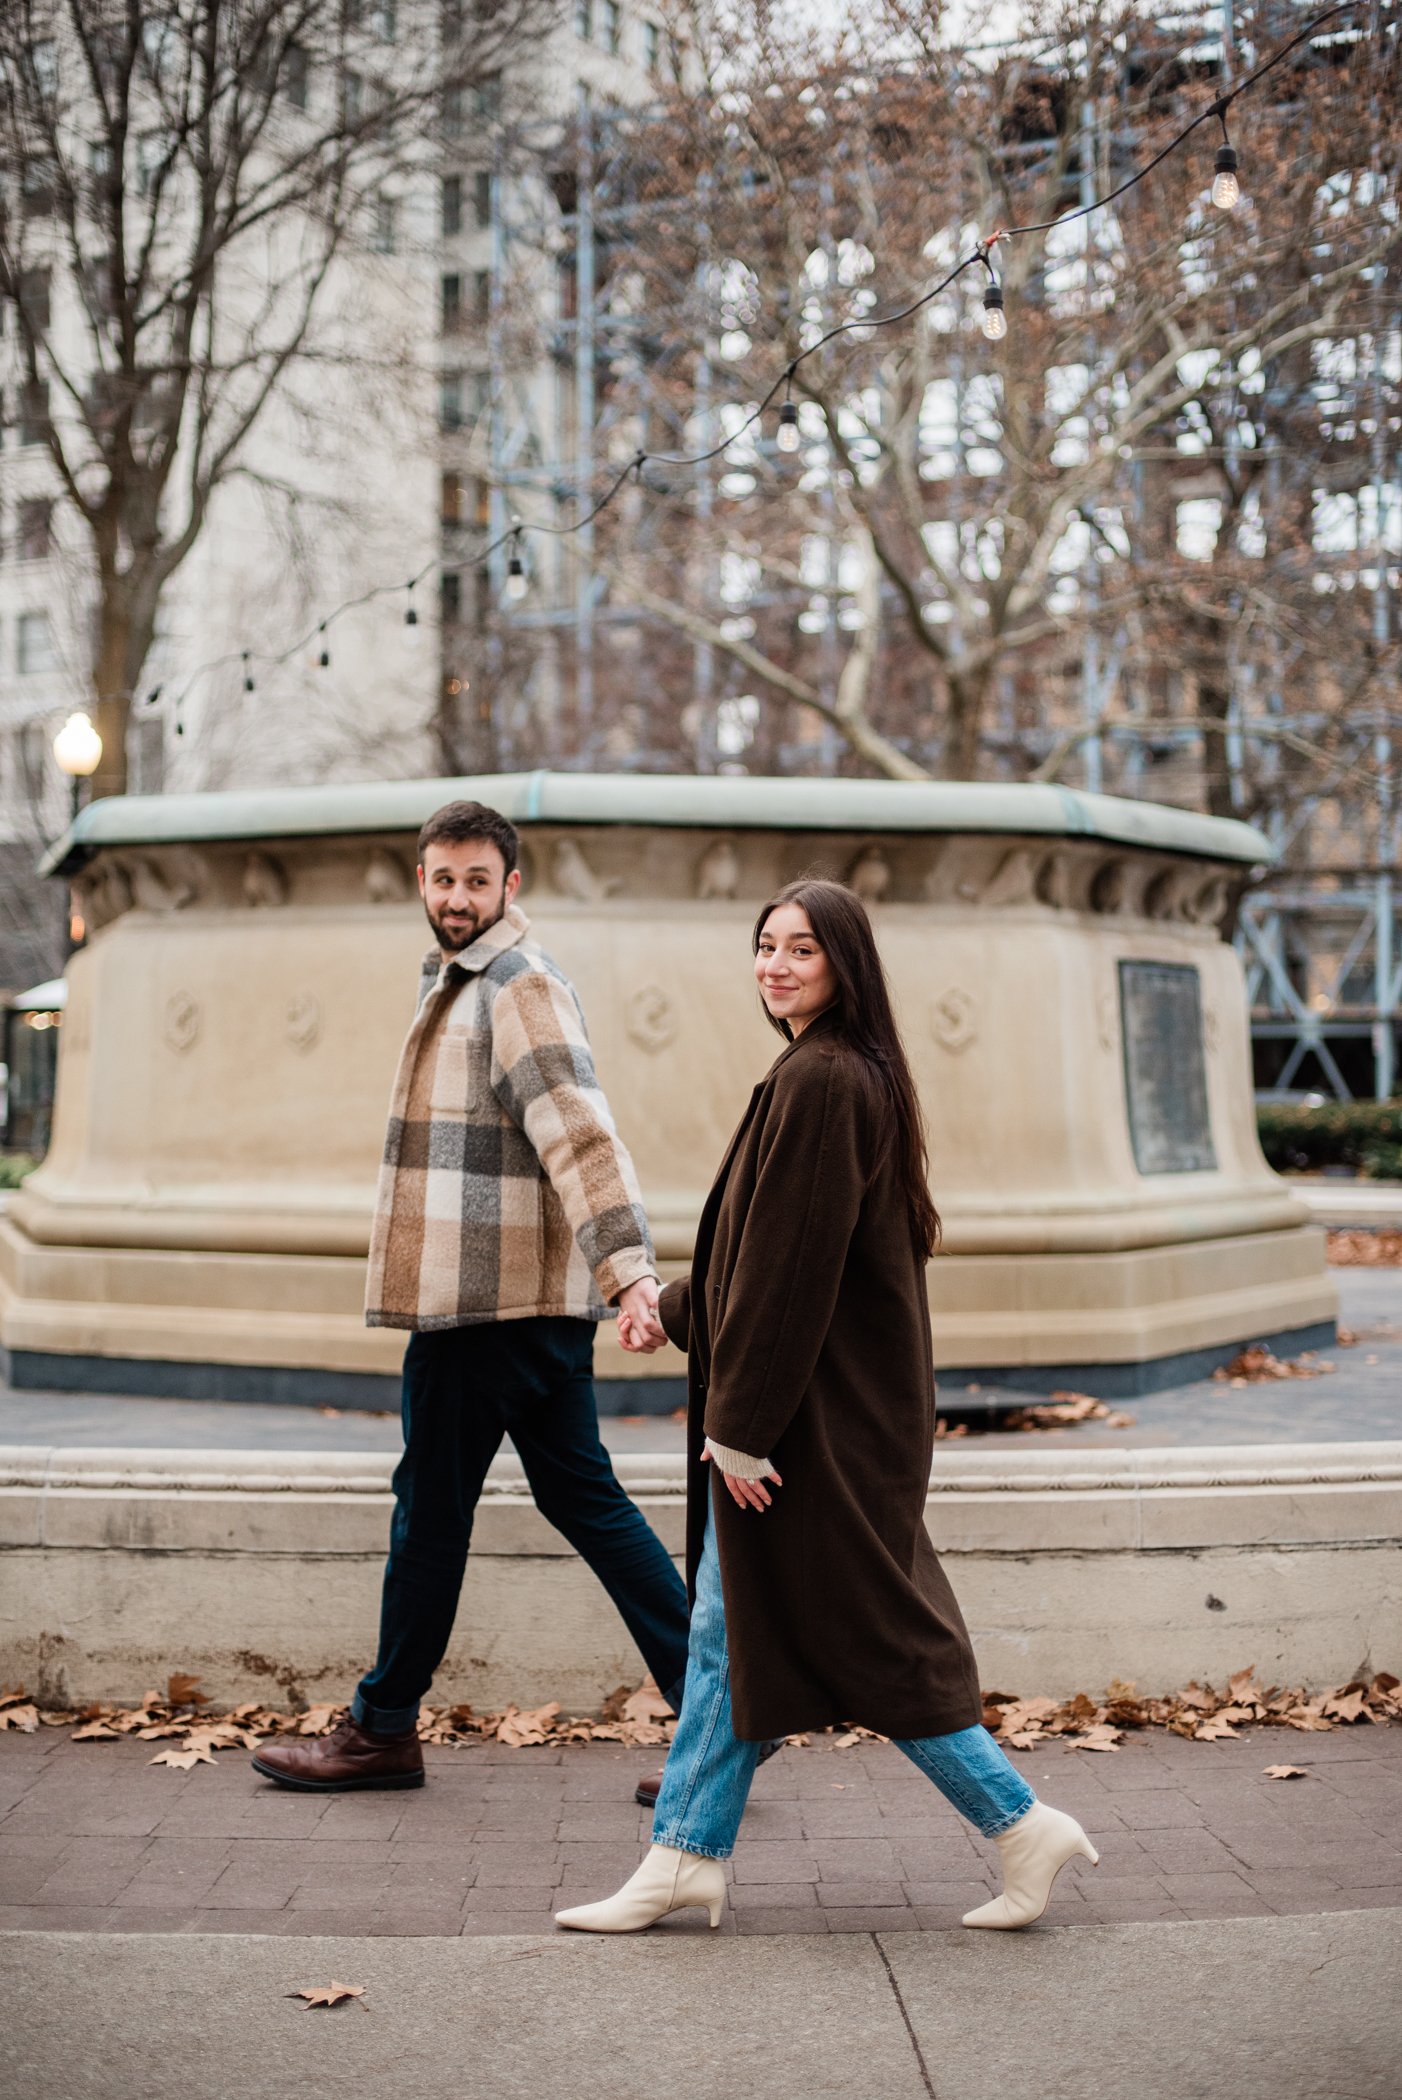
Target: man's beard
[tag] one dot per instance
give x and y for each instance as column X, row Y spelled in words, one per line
column 453, row 939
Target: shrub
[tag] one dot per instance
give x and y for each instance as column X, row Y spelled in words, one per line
column 1365, row 1135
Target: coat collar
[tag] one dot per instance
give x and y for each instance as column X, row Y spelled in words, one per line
column 511, row 927
column 825, row 1023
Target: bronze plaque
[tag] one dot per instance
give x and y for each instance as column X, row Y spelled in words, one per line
column 1165, row 1067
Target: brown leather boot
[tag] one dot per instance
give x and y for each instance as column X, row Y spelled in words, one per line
column 349, row 1757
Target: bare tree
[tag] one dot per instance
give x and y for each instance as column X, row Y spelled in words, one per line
column 1025, row 534
column 182, row 177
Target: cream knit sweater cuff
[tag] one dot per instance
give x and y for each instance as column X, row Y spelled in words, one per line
column 739, row 1463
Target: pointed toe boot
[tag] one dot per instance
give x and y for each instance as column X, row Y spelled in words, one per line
column 1033, row 1851
column 667, row 1880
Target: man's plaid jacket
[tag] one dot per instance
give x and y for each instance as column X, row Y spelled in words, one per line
column 505, row 1190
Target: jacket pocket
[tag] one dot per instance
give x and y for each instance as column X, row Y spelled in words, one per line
column 457, row 1080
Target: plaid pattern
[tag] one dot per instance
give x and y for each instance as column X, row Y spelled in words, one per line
column 505, row 1189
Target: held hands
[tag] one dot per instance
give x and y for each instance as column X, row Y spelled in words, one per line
column 639, row 1329
column 748, row 1494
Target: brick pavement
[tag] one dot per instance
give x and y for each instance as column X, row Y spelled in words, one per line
column 95, row 1838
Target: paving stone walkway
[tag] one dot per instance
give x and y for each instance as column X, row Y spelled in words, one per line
column 93, row 1837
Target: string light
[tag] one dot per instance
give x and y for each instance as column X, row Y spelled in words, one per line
column 247, row 674
column 411, row 618
column 1226, row 194
column 1226, row 190
column 517, row 582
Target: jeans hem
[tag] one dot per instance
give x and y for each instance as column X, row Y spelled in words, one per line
column 1006, row 1823
column 379, row 1720
column 678, row 1843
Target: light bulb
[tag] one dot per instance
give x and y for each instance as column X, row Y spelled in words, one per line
column 411, row 625
column 517, row 582
column 78, row 747
column 1226, row 190
column 788, row 428
column 995, row 319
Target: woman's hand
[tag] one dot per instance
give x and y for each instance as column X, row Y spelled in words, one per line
column 747, row 1494
column 639, row 1329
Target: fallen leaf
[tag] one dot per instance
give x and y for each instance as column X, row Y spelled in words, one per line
column 329, row 1993
column 96, row 1732
column 317, row 1720
column 24, row 1718
column 1349, row 1704
column 1286, row 1772
column 520, row 1730
column 183, row 1760
column 183, row 1690
column 1216, row 1730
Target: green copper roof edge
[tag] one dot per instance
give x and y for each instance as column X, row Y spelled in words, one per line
column 700, row 802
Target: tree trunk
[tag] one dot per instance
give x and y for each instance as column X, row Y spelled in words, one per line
column 112, row 676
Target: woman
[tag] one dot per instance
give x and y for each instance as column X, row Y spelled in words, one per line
column 817, row 1594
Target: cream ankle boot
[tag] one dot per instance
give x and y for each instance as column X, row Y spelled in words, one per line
column 1034, row 1851
column 667, row 1880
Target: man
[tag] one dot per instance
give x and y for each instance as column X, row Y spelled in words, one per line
column 507, row 1222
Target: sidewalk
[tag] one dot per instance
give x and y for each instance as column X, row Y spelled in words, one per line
column 1357, row 1401
column 1241, row 1936
column 97, row 1839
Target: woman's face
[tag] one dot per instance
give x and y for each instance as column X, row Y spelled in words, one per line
column 796, row 980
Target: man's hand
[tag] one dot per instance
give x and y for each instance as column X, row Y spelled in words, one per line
column 639, row 1329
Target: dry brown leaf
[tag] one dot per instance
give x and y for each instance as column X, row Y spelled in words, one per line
column 330, row 1993
column 183, row 1760
column 1216, row 1730
column 520, row 1730
column 1368, row 1250
column 96, row 1732
column 319, row 1720
column 181, row 1690
column 1100, row 1737
column 24, row 1718
column 1286, row 1772
column 1350, row 1703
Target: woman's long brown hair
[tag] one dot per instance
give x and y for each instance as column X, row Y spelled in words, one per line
column 844, row 933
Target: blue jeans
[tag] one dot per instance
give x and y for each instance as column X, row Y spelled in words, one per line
column 465, row 1389
column 707, row 1779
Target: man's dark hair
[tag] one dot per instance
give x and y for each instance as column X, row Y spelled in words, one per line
column 457, row 822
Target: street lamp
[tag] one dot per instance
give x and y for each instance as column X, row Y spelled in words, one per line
column 78, row 749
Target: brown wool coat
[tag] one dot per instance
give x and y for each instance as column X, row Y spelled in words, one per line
column 807, row 1333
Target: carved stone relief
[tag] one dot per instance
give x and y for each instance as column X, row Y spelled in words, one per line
column 1014, row 879
column 573, row 876
column 180, row 1022
column 954, row 1018
column 1054, row 881
column 869, row 876
column 387, row 881
column 1169, row 892
column 1109, row 887
column 650, row 1018
column 167, row 885
column 303, row 1021
column 265, row 884
column 718, row 873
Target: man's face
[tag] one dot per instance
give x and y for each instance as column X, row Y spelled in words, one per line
column 465, row 889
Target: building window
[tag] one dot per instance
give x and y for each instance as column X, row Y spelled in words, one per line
column 352, row 97
column 296, row 76
column 382, row 235
column 36, row 190
column 35, row 539
column 487, row 98
column 34, row 412
column 384, row 20
column 482, row 196
column 450, row 401
column 34, row 649
column 452, row 302
column 453, row 113
column 482, row 294
column 450, row 498
column 452, row 204
column 450, row 598
column 584, row 20
column 652, row 46
column 610, row 26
